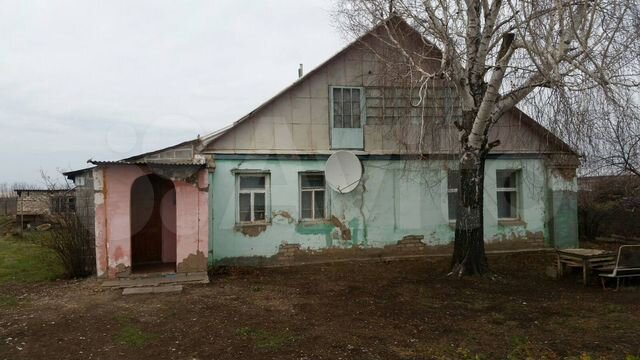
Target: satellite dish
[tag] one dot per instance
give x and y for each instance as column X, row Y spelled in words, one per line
column 343, row 171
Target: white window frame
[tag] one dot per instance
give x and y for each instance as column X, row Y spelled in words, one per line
column 313, row 197
column 451, row 191
column 267, row 197
column 363, row 108
column 509, row 189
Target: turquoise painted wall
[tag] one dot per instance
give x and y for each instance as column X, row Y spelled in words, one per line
column 395, row 198
column 563, row 209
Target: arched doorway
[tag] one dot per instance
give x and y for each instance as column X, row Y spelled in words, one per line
column 153, row 224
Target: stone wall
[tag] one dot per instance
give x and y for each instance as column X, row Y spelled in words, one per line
column 34, row 203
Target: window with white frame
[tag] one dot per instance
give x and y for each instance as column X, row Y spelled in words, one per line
column 507, row 194
column 453, row 181
column 347, row 107
column 253, row 198
column 312, row 196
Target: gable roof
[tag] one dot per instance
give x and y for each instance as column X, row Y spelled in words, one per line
column 201, row 142
column 207, row 139
column 543, row 131
column 528, row 121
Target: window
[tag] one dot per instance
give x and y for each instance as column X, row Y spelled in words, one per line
column 453, row 181
column 507, row 194
column 312, row 196
column 347, row 117
column 252, row 198
column 347, row 107
column 79, row 180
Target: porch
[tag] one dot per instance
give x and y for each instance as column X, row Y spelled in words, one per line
column 151, row 223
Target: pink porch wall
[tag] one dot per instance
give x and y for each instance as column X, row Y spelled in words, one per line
column 168, row 211
column 113, row 225
column 191, row 220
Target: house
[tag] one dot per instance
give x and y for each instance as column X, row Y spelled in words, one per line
column 256, row 192
column 37, row 206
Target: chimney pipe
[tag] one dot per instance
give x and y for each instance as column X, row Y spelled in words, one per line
column 300, row 71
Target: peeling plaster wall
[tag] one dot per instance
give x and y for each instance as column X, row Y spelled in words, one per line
column 192, row 218
column 112, row 185
column 395, row 198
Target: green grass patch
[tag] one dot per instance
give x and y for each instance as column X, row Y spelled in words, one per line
column 130, row 334
column 523, row 349
column 439, row 351
column 266, row 340
column 8, row 301
column 23, row 259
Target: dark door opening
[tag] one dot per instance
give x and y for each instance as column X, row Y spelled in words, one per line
column 153, row 224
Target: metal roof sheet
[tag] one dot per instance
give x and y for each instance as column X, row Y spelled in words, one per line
column 144, row 163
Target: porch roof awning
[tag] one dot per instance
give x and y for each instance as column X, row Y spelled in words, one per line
column 186, row 171
column 145, row 163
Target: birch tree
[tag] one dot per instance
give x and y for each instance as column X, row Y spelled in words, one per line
column 498, row 54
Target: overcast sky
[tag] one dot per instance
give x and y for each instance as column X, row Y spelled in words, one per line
column 109, row 79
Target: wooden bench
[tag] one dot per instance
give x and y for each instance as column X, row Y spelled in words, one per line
column 627, row 265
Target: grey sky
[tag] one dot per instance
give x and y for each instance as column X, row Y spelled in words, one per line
column 108, row 79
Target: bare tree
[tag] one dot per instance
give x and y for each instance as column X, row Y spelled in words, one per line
column 497, row 54
column 615, row 148
column 6, row 191
column 69, row 238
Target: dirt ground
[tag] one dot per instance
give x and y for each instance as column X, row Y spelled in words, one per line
column 360, row 310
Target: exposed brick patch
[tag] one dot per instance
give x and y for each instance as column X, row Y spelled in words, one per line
column 251, row 230
column 411, row 243
column 193, row 263
column 344, row 229
column 286, row 252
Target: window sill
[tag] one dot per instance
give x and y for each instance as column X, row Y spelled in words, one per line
column 511, row 222
column 312, row 221
column 242, row 225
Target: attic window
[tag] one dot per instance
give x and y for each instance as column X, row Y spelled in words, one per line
column 346, row 107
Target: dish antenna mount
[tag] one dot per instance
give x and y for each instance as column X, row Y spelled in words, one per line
column 343, row 171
